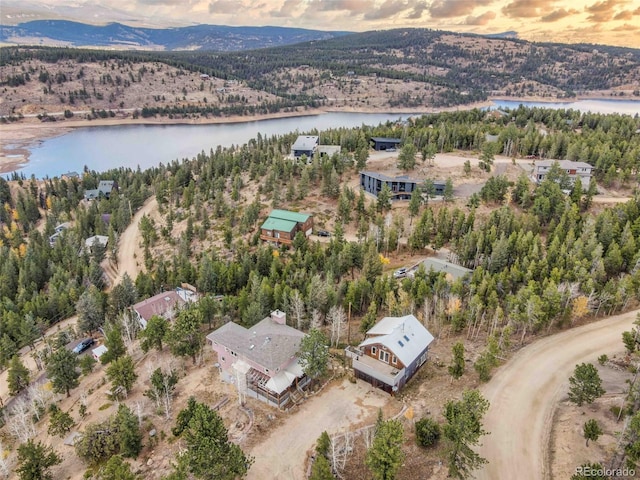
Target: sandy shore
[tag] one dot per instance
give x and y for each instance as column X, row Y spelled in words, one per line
column 16, row 139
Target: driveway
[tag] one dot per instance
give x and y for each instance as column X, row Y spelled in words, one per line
column 525, row 392
column 282, row 454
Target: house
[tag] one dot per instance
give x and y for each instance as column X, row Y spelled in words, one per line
column 58, row 232
column 165, row 305
column 282, row 225
column 105, row 187
column 574, row 170
column 305, row 145
column 261, row 361
column 99, row 351
column 382, row 143
column 401, row 187
column 328, row 150
column 392, row 352
column 97, row 240
column 452, row 270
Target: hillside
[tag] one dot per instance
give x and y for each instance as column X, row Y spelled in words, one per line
column 396, row 69
column 116, row 35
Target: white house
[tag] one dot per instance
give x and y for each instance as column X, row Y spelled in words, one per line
column 574, row 170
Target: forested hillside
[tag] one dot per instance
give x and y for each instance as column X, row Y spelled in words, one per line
column 373, row 70
column 544, row 257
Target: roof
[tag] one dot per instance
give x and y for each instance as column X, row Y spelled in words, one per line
column 100, row 239
column 105, row 186
column 405, row 336
column 329, row 149
column 438, row 265
column 564, row 164
column 159, row 304
column 99, row 351
column 387, row 140
column 386, row 178
column 289, row 215
column 306, row 142
column 278, row 224
column 268, row 343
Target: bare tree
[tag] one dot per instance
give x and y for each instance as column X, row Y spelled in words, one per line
column 297, row 309
column 129, row 327
column 5, row 463
column 316, row 319
column 40, row 398
column 339, row 450
column 20, row 421
column 162, row 389
column 336, row 317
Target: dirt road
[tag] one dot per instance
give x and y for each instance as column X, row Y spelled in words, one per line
column 129, row 258
column 525, row 392
column 282, row 454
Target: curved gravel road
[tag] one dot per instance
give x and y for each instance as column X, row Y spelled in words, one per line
column 524, row 394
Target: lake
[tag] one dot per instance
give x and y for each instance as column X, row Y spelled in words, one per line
column 102, row 148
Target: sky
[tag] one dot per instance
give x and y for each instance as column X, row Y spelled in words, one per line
column 613, row 22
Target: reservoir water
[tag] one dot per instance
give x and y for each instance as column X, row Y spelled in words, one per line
column 102, row 148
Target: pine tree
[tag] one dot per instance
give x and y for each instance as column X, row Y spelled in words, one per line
column 62, row 370
column 385, row 456
column 17, row 376
column 35, row 460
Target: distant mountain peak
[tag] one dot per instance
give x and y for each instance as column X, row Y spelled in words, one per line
column 508, row 34
column 194, row 37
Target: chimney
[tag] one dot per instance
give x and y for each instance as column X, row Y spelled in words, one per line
column 279, row 317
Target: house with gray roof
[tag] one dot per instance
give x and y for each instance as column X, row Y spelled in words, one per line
column 166, row 305
column 261, row 361
column 305, row 145
column 384, row 143
column 452, row 270
column 105, row 187
column 581, row 170
column 392, row 352
column 401, row 187
column 282, row 225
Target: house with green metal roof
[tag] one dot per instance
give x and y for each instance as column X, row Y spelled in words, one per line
column 282, row 225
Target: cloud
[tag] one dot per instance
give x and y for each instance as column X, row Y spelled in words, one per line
column 527, row 8
column 455, row 8
column 355, row 7
column 287, row 9
column 558, row 14
column 603, row 11
column 626, row 28
column 624, row 15
column 387, row 9
column 483, row 19
column 418, row 10
column 225, row 7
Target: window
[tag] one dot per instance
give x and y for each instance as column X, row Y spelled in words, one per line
column 406, row 338
column 384, row 356
column 222, row 359
column 394, row 360
column 374, row 350
column 277, row 235
column 400, row 343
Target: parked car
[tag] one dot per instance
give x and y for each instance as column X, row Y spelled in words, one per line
column 400, row 273
column 323, row 233
column 83, row 345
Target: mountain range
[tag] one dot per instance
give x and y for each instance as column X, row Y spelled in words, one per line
column 198, row 37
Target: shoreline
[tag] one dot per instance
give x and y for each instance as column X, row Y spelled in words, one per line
column 17, row 139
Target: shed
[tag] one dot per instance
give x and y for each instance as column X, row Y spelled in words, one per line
column 384, row 143
column 99, row 351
